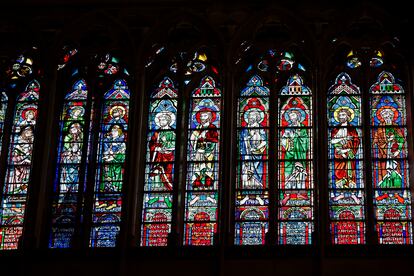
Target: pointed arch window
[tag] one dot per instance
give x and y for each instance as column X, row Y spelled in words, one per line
column 110, row 166
column 181, row 184
column 252, row 192
column 19, row 166
column 68, row 181
column 203, row 181
column 274, row 186
column 345, row 154
column 389, row 164
column 159, row 170
column 90, row 172
column 295, row 163
column 369, row 204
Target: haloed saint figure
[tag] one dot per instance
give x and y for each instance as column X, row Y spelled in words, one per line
column 162, row 147
column 346, row 141
column 295, row 144
column 21, row 157
column 22, row 149
column 390, row 141
column 204, row 141
column 253, row 148
column 114, row 151
column 117, row 114
column 72, row 152
column 113, row 155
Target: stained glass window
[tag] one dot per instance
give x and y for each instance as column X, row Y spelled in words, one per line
column 160, row 166
column 90, row 172
column 3, row 112
column 295, row 177
column 70, row 175
column 389, row 152
column 202, row 180
column 252, row 188
column 274, row 182
column 22, row 68
column 345, row 157
column 68, row 53
column 18, row 167
column 110, row 167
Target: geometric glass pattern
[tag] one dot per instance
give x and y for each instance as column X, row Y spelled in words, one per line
column 159, row 169
column 18, row 167
column 203, row 174
column 345, row 163
column 252, row 187
column 390, row 172
column 295, row 164
column 110, row 166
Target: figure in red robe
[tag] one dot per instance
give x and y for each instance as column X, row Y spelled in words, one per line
column 162, row 147
column 345, row 142
column 203, row 142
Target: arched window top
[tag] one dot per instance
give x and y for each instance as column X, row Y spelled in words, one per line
column 207, row 88
column 299, row 106
column 254, row 105
column 352, row 104
column 31, row 92
column 386, row 84
column 343, row 85
column 165, row 89
column 295, row 86
column 116, row 107
column 388, row 107
column 119, row 91
column 255, row 87
column 79, row 91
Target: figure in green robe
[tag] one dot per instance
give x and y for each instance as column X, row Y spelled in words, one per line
column 295, row 146
column 389, row 141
